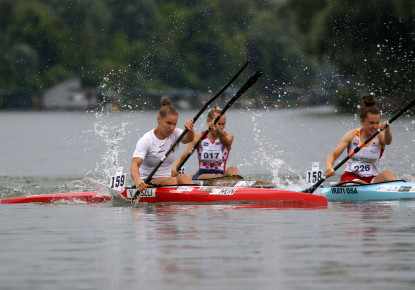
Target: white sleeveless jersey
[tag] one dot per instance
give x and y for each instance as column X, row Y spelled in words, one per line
column 212, row 155
column 366, row 161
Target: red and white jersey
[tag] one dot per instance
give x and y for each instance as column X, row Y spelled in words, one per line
column 366, row 161
column 212, row 155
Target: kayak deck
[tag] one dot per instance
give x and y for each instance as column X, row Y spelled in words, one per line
column 219, row 194
column 392, row 190
column 233, row 180
column 182, row 195
column 86, row 197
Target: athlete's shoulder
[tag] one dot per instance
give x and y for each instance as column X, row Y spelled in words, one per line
column 177, row 132
column 199, row 135
column 352, row 133
column 227, row 133
column 348, row 137
column 147, row 137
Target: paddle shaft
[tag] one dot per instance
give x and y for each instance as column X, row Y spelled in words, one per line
column 252, row 80
column 150, row 176
column 357, row 149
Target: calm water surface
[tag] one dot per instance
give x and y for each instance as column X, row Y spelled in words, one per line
column 363, row 245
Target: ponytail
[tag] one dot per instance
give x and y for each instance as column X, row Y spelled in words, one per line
column 370, row 107
column 167, row 108
column 215, row 110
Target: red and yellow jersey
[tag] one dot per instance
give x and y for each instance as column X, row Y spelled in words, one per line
column 366, row 161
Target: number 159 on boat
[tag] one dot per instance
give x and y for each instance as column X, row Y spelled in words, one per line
column 117, row 181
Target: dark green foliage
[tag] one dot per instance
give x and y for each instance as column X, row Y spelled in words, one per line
column 124, row 45
column 128, row 43
column 371, row 40
column 347, row 100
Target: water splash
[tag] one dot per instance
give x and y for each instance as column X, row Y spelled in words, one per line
column 27, row 186
column 267, row 154
column 98, row 186
column 112, row 135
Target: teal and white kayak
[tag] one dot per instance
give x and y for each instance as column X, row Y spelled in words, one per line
column 351, row 190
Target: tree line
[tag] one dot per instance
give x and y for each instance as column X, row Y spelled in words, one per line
column 122, row 45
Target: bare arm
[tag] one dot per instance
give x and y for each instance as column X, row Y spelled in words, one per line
column 226, row 138
column 385, row 137
column 184, row 154
column 190, row 134
column 135, row 173
column 345, row 141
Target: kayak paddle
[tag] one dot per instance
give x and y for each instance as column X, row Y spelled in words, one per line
column 148, row 179
column 357, row 149
column 253, row 79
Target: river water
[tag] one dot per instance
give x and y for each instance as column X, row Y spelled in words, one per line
column 364, row 245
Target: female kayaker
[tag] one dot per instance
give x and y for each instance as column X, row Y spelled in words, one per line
column 214, row 150
column 364, row 165
column 154, row 145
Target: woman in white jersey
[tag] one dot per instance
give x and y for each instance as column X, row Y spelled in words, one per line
column 214, row 150
column 154, row 145
column 364, row 165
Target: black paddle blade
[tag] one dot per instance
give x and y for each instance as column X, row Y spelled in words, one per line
column 315, row 186
column 311, row 189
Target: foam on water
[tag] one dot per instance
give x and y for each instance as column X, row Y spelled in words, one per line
column 112, row 135
column 268, row 153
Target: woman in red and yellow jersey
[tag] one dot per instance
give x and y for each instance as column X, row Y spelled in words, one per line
column 364, row 165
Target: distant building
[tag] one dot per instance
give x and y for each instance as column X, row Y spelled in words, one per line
column 69, row 95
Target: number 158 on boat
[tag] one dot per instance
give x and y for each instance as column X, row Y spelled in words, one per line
column 315, row 174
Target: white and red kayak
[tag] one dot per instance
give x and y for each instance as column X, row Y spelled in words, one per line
column 218, row 194
column 72, row 197
column 181, row 195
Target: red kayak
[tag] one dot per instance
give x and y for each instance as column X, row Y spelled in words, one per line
column 87, row 197
column 218, row 194
column 183, row 194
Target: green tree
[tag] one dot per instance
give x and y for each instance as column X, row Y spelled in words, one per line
column 369, row 40
column 89, row 39
column 127, row 44
column 33, row 36
column 304, row 12
column 275, row 47
column 23, row 63
column 191, row 48
column 137, row 19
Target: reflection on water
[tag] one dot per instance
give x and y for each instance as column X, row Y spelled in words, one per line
column 205, row 246
column 113, row 246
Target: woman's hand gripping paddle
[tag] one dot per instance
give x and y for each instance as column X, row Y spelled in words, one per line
column 357, row 149
column 148, row 179
column 241, row 91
